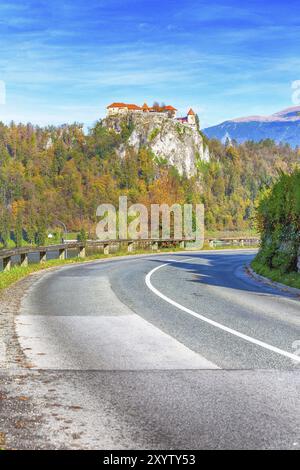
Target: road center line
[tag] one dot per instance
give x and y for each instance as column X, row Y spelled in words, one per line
column 264, row 345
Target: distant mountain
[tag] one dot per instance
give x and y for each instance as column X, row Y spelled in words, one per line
column 282, row 127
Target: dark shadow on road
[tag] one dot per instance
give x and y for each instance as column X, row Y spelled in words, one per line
column 222, row 270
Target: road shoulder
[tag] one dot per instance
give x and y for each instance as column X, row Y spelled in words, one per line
column 276, row 285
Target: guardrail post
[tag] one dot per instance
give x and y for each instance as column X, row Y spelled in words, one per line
column 43, row 256
column 130, row 247
column 154, row 246
column 7, row 263
column 182, row 244
column 82, row 252
column 24, row 260
column 62, row 253
column 106, row 248
column 242, row 243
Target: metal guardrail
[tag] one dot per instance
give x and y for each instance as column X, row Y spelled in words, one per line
column 239, row 241
column 23, row 252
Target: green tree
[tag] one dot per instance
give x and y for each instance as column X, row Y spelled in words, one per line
column 41, row 234
column 19, row 230
column 82, row 235
column 5, row 227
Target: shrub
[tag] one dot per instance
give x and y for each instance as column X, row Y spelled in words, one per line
column 82, row 236
column 153, row 134
column 278, row 217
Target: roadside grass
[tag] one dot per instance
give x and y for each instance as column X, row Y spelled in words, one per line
column 18, row 272
column 289, row 279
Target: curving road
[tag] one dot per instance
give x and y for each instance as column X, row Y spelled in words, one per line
column 169, row 351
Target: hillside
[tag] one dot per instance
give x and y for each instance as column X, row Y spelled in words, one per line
column 178, row 144
column 234, row 177
column 57, row 174
column 282, row 127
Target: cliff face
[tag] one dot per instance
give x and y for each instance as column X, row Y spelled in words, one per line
column 179, row 144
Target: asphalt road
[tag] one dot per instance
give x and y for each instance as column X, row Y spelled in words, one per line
column 168, row 351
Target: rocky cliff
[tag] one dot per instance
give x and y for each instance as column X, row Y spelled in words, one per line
column 179, row 144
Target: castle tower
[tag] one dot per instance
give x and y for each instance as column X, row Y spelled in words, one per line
column 191, row 118
column 145, row 108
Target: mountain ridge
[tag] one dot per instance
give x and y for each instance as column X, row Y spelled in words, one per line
column 282, row 127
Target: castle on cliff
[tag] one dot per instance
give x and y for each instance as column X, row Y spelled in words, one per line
column 115, row 109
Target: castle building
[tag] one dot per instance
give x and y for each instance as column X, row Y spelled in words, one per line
column 125, row 108
column 145, row 108
column 191, row 118
column 122, row 108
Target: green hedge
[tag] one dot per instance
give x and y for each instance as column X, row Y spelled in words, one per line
column 278, row 216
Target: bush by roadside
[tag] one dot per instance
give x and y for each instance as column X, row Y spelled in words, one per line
column 278, row 217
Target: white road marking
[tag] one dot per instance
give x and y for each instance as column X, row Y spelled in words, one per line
column 264, row 345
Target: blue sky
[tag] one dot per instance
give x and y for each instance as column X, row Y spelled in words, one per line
column 64, row 61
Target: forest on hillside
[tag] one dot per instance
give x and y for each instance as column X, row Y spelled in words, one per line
column 235, row 178
column 61, row 174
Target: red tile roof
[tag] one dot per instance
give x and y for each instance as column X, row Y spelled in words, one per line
column 169, row 108
column 123, row 105
column 145, row 106
column 133, row 106
column 191, row 112
column 116, row 105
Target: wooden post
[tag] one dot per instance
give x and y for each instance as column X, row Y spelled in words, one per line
column 62, row 253
column 106, row 248
column 82, row 252
column 43, row 256
column 24, row 260
column 7, row 263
